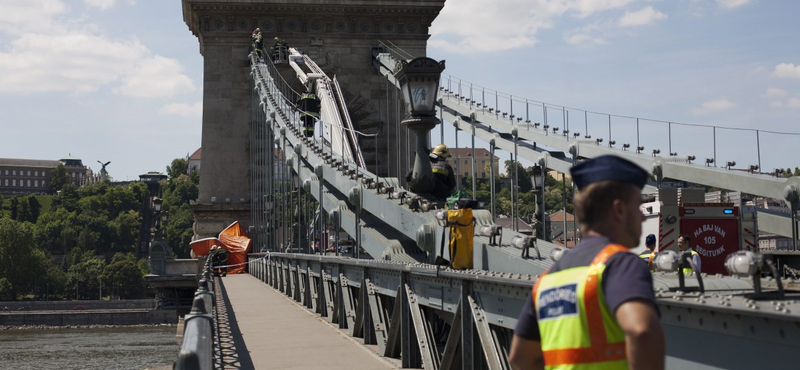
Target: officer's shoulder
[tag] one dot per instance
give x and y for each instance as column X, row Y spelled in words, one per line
column 626, row 259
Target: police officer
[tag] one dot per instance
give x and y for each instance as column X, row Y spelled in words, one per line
column 444, row 179
column 309, row 112
column 685, row 247
column 650, row 245
column 595, row 308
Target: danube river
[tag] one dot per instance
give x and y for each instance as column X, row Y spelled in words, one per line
column 123, row 348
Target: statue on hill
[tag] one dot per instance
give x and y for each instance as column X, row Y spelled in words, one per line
column 103, row 172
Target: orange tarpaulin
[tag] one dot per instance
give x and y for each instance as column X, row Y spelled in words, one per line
column 234, row 240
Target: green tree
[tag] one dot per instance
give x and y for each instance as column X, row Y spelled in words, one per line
column 124, row 276
column 178, row 167
column 34, row 208
column 14, row 208
column 58, row 178
column 523, row 179
column 179, row 191
column 84, row 276
column 125, row 230
column 57, row 231
column 55, row 281
column 19, row 258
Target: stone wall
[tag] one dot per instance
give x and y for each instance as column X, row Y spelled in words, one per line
column 338, row 35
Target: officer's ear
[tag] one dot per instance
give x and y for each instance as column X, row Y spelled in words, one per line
column 618, row 210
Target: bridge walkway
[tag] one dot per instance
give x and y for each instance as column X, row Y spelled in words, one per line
column 273, row 332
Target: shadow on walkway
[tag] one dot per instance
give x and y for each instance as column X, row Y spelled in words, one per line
column 234, row 353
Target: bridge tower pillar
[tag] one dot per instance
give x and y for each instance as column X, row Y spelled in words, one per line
column 339, row 36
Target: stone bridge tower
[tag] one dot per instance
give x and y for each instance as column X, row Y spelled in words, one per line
column 339, row 36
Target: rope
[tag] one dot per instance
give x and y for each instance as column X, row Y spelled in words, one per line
column 243, row 263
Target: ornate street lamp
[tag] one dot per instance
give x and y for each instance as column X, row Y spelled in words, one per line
column 157, row 253
column 419, row 81
column 537, row 180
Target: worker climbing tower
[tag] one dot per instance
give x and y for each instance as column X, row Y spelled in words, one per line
column 340, row 37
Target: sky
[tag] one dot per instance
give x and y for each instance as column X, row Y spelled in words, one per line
column 122, row 80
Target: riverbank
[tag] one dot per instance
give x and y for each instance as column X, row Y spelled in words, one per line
column 83, row 313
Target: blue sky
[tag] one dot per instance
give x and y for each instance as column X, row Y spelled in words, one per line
column 121, row 80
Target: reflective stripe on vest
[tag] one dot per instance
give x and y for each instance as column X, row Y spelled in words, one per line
column 572, row 301
column 688, row 270
column 439, row 167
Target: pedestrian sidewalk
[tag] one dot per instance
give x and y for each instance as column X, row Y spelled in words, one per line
column 278, row 333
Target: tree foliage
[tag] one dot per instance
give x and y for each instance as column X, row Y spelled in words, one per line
column 58, row 178
column 124, row 276
column 84, row 275
column 178, row 167
column 178, row 192
column 87, row 237
column 20, row 260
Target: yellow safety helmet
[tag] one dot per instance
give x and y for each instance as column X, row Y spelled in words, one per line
column 441, row 151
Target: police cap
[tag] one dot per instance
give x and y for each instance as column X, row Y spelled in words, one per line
column 650, row 239
column 607, row 167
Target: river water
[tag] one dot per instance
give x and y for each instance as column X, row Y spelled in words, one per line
column 101, row 348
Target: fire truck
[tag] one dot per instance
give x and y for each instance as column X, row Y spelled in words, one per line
column 715, row 230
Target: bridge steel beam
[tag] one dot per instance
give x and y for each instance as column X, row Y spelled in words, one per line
column 342, row 180
column 412, row 307
column 489, row 127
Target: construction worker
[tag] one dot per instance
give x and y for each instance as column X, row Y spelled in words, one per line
column 308, row 105
column 279, row 49
column 444, row 179
column 258, row 44
column 650, row 246
column 595, row 308
column 685, row 247
column 219, row 258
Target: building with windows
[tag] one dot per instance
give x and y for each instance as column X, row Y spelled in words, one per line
column 193, row 162
column 32, row 176
column 461, row 161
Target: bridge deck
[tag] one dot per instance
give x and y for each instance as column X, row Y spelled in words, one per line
column 273, row 332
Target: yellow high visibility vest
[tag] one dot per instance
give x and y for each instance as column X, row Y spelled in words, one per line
column 688, row 270
column 577, row 329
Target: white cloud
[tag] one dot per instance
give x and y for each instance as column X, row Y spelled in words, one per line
column 474, row 26
column 102, row 4
column 66, row 62
column 776, row 104
column 793, row 102
column 774, row 92
column 717, row 105
column 19, row 17
column 78, row 58
column 155, row 77
column 786, row 70
column 592, row 34
column 184, row 110
column 644, row 16
column 731, row 4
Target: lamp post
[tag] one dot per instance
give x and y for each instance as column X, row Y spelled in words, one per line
column 419, row 81
column 537, row 180
column 158, row 248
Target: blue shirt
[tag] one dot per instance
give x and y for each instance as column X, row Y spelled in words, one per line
column 625, row 278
